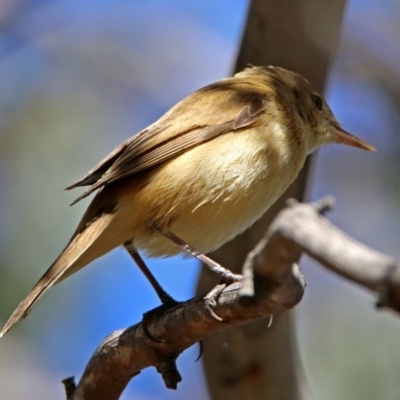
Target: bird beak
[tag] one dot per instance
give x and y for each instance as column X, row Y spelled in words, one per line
column 347, row 138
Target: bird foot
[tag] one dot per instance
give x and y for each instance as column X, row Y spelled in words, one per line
column 210, row 299
column 168, row 303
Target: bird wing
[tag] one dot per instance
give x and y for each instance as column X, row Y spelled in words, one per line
column 186, row 125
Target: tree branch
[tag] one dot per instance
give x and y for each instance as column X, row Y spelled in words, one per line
column 272, row 284
column 342, row 254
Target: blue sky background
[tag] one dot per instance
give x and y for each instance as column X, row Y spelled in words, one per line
column 78, row 78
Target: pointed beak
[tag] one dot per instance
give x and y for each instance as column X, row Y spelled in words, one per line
column 351, row 140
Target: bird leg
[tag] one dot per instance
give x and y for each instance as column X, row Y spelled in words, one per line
column 161, row 293
column 227, row 276
column 166, row 300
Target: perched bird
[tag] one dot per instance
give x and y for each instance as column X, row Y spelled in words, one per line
column 200, row 175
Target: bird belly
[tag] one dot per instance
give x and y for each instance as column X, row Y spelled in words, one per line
column 208, row 195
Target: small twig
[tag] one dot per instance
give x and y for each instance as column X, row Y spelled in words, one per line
column 170, row 373
column 324, row 205
column 69, row 386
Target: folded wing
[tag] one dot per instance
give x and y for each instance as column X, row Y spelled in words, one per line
column 186, row 125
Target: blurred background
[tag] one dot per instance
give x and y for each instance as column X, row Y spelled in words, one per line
column 78, row 78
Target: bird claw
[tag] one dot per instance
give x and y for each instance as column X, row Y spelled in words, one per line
column 209, row 304
column 210, row 299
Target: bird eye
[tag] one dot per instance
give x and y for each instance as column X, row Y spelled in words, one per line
column 317, row 100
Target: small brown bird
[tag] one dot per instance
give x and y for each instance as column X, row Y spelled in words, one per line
column 200, row 175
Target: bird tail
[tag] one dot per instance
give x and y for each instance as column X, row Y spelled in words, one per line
column 83, row 248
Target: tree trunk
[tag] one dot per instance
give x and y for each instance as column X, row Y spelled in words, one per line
column 255, row 361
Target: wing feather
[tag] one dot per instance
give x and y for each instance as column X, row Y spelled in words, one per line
column 186, row 125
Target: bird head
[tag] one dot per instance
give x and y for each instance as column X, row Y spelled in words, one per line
column 305, row 107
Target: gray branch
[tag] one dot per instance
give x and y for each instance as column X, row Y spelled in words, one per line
column 272, row 284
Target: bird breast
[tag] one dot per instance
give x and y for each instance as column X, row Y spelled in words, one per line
column 211, row 193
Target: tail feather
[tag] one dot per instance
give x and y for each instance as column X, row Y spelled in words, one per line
column 82, row 249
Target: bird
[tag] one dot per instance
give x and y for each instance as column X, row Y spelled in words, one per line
column 200, row 175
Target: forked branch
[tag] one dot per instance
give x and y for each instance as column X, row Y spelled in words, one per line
column 272, row 284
